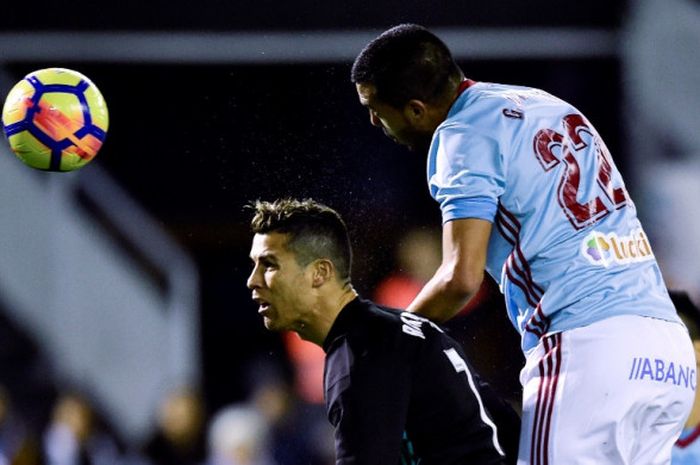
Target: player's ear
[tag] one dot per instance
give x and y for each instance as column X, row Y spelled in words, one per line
column 323, row 271
column 415, row 111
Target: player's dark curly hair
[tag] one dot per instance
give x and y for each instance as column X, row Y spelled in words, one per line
column 314, row 230
column 407, row 62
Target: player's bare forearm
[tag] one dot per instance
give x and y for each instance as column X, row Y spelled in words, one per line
column 464, row 247
column 441, row 298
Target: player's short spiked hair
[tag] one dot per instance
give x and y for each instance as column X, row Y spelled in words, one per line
column 314, row 231
column 407, row 62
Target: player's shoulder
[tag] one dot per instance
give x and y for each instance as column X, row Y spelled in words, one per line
column 388, row 325
column 383, row 318
column 409, row 327
column 491, row 93
column 363, row 318
column 493, row 112
column 477, row 107
column 484, row 99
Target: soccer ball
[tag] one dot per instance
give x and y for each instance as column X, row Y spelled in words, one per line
column 55, row 119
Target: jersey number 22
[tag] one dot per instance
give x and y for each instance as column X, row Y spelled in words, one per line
column 587, row 213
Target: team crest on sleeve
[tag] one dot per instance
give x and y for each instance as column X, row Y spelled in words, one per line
column 613, row 249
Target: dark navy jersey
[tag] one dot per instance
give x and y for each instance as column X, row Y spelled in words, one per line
column 399, row 390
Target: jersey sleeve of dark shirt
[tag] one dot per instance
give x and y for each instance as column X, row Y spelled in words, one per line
column 390, row 382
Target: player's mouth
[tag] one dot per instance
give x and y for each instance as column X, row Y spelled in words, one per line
column 263, row 305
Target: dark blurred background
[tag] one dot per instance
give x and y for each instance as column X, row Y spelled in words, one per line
column 193, row 140
column 303, row 15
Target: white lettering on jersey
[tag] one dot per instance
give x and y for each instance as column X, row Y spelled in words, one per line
column 412, row 324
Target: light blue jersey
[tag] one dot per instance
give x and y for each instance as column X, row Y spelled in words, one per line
column 686, row 451
column 567, row 248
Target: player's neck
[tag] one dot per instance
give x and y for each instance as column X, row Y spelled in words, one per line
column 324, row 314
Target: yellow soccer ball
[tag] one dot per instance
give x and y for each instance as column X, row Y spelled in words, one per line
column 55, row 119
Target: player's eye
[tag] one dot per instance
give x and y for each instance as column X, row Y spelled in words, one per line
column 268, row 264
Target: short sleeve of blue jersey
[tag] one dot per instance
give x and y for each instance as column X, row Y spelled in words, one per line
column 465, row 173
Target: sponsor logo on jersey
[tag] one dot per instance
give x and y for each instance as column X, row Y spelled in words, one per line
column 663, row 371
column 608, row 249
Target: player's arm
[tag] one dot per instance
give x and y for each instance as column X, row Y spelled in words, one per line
column 464, row 247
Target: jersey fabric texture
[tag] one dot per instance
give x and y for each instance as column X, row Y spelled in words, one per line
column 398, row 390
column 567, row 248
column 686, row 451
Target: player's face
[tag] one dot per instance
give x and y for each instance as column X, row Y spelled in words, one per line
column 281, row 287
column 391, row 120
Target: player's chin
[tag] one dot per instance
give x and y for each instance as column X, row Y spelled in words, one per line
column 273, row 325
column 269, row 323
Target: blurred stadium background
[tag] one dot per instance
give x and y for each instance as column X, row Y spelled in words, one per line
column 126, row 280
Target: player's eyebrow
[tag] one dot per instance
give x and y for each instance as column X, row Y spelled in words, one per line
column 265, row 257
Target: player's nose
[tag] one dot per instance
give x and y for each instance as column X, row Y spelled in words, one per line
column 253, row 281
